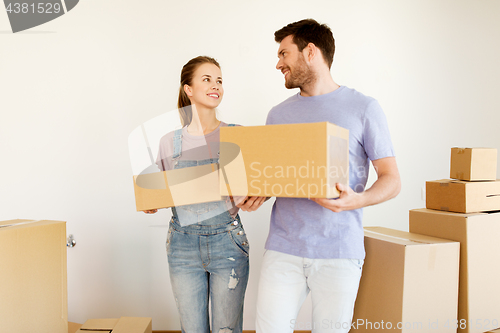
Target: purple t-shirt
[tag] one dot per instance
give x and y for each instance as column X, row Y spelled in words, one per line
column 300, row 226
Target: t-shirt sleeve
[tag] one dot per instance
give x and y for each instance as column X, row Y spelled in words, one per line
column 164, row 158
column 269, row 120
column 376, row 137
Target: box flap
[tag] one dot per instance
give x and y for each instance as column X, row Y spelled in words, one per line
column 99, row 324
column 73, row 327
column 118, row 325
column 402, row 237
column 458, row 181
column 10, row 223
column 23, row 223
column 442, row 212
column 197, row 184
column 133, row 325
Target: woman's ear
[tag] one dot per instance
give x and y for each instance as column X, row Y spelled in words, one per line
column 188, row 90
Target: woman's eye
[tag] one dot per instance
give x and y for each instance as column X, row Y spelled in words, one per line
column 206, row 79
column 219, row 82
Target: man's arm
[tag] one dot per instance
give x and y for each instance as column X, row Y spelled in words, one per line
column 387, row 186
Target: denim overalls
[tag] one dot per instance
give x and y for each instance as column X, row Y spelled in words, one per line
column 207, row 259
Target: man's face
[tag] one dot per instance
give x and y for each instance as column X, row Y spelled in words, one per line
column 293, row 65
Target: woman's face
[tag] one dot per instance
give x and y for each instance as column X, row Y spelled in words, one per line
column 206, row 86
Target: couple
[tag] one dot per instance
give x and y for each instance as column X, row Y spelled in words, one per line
column 313, row 244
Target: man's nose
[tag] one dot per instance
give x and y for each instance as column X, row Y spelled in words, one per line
column 279, row 65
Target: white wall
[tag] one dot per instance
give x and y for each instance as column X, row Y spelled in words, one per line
column 74, row 88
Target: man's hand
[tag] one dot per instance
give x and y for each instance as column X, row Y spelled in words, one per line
column 348, row 200
column 250, row 204
column 387, row 186
column 151, row 211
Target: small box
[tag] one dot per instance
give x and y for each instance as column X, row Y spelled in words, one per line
column 291, row 160
column 473, row 164
column 478, row 234
column 462, row 196
column 33, row 276
column 118, row 325
column 409, row 283
column 177, row 187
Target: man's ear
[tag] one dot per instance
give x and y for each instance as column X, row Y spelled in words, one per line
column 188, row 90
column 311, row 51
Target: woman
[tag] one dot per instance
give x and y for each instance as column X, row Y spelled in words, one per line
column 207, row 247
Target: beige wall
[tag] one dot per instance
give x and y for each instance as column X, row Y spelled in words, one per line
column 73, row 89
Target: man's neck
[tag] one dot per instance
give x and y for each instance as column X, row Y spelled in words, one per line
column 324, row 84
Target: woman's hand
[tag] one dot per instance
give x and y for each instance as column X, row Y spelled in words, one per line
column 151, row 211
column 250, row 204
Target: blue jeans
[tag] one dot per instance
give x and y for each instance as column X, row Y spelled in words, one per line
column 209, row 261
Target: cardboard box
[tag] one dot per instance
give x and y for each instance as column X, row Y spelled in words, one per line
column 292, row 160
column 409, row 283
column 177, row 187
column 73, row 327
column 473, row 164
column 118, row 325
column 33, row 277
column 478, row 234
column 463, row 197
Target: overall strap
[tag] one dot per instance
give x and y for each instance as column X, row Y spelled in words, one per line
column 229, row 125
column 177, row 144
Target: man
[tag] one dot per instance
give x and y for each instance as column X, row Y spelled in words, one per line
column 316, row 245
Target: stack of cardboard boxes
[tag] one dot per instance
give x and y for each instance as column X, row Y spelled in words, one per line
column 466, row 209
column 412, row 281
column 441, row 276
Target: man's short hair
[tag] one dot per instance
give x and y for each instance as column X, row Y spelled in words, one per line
column 310, row 31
